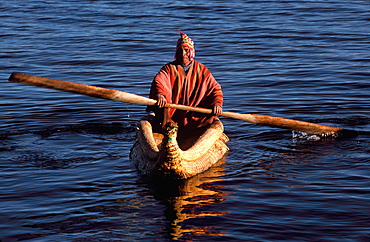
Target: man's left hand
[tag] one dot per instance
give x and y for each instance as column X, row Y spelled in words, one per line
column 217, row 110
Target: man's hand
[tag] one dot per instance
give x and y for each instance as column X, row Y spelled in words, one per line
column 217, row 110
column 161, row 101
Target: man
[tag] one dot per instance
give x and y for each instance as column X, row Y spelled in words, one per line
column 188, row 82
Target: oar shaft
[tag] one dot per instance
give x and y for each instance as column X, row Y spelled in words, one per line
column 88, row 90
column 303, row 126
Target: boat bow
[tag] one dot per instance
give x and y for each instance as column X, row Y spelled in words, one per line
column 178, row 155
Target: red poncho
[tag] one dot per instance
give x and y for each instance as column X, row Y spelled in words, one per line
column 197, row 88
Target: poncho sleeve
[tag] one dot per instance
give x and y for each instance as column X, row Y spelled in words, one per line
column 161, row 84
column 206, row 90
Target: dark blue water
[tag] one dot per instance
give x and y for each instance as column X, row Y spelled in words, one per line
column 64, row 167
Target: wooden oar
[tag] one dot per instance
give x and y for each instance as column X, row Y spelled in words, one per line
column 125, row 97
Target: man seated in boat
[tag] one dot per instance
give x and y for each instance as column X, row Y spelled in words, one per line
column 188, row 82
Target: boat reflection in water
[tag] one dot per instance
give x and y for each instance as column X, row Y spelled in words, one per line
column 189, row 199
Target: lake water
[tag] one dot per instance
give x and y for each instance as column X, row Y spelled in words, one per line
column 65, row 168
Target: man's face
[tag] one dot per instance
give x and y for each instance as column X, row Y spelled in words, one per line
column 183, row 55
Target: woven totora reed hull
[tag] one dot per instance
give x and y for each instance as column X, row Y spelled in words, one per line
column 178, row 155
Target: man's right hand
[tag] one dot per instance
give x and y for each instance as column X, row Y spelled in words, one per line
column 161, row 101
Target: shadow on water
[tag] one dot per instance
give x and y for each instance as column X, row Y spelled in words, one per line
column 63, row 146
column 188, row 202
column 91, row 128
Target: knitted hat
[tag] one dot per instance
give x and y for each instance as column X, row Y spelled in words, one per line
column 185, row 41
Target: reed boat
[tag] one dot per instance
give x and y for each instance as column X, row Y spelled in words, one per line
column 177, row 154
